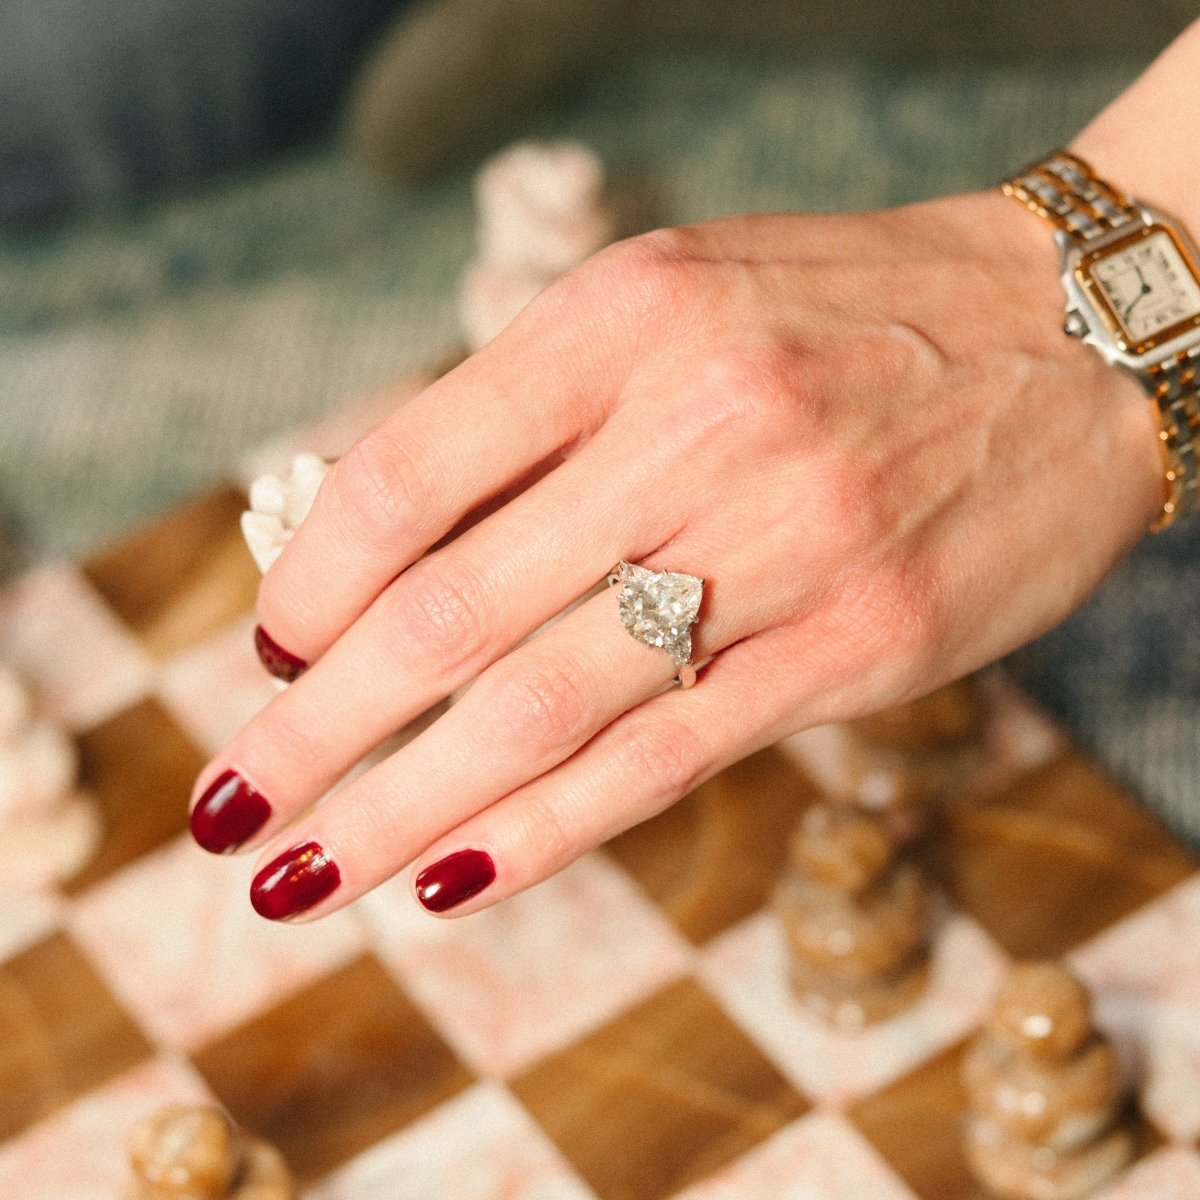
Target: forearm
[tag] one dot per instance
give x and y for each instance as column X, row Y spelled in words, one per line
column 1145, row 142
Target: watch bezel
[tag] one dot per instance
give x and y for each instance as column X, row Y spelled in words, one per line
column 1094, row 292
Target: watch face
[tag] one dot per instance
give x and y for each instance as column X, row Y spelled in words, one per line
column 1148, row 286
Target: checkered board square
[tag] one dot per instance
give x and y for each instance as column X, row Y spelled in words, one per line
column 623, row 1032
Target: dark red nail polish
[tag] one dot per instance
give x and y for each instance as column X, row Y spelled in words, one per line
column 229, row 812
column 275, row 658
column 455, row 878
column 295, row 881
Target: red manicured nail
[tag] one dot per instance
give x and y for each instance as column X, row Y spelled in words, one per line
column 295, row 881
column 455, row 878
column 275, row 658
column 229, row 812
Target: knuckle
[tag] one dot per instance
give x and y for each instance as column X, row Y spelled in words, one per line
column 544, row 831
column 442, row 613
column 666, row 759
column 379, row 486
column 290, row 607
column 544, row 709
column 754, row 380
column 754, row 394
column 649, row 276
column 284, row 740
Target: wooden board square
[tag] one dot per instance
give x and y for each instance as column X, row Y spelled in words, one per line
column 333, row 1068
column 915, row 1124
column 61, row 1032
column 1054, row 859
column 662, row 1097
column 714, row 857
column 141, row 768
column 182, row 577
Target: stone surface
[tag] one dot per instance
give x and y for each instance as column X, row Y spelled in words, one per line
column 277, row 506
column 1044, row 1089
column 49, row 826
column 856, row 919
column 541, row 212
column 194, row 1152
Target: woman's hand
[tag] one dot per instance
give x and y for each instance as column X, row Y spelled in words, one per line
column 868, row 434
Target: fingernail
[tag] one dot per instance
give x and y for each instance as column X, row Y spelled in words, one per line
column 455, row 878
column 295, row 881
column 229, row 812
column 275, row 658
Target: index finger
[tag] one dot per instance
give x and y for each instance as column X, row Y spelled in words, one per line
column 541, row 385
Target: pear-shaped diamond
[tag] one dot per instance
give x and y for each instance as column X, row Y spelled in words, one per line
column 658, row 608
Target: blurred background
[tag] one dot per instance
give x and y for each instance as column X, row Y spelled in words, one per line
column 219, row 221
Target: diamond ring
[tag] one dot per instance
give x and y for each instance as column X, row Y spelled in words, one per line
column 659, row 609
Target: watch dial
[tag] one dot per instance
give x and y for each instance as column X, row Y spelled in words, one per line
column 1148, row 285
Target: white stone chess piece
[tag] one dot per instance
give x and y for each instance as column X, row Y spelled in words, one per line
column 278, row 505
column 541, row 212
column 50, row 827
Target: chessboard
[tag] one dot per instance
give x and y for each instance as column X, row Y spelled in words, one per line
column 622, row 1032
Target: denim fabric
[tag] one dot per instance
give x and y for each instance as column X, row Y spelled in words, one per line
column 104, row 100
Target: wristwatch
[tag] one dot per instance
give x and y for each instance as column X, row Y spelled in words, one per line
column 1132, row 282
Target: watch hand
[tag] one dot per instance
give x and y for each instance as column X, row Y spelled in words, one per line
column 1132, row 304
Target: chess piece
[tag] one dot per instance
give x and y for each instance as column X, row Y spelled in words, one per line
column 904, row 760
column 278, row 505
column 855, row 917
column 193, row 1152
column 541, row 212
column 1044, row 1089
column 49, row 826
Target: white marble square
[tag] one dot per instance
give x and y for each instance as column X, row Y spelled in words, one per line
column 509, row 985
column 82, row 663
column 25, row 918
column 176, row 939
column 1172, row 1173
column 747, row 969
column 214, row 688
column 1145, row 976
column 79, row 1153
column 819, row 1157
column 480, row 1146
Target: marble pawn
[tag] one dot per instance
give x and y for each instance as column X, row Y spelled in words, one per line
column 541, row 212
column 904, row 761
column 856, row 919
column 194, row 1152
column 1045, row 1092
column 50, row 825
column 277, row 506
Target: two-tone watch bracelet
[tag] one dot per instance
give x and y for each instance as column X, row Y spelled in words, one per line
column 1065, row 191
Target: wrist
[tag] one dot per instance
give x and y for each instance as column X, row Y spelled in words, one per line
column 1144, row 142
column 1119, row 407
